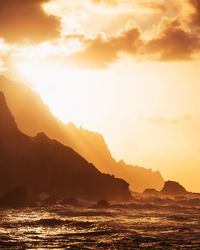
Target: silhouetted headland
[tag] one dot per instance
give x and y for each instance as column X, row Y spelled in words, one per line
column 36, row 117
column 42, row 165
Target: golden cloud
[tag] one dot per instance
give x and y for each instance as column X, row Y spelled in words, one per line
column 173, row 37
column 156, row 6
column 25, row 20
column 196, row 15
column 173, row 43
column 109, row 2
column 100, row 51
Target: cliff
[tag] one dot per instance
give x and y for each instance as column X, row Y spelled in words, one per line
column 33, row 116
column 40, row 164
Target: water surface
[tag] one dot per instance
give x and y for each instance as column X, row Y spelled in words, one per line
column 120, row 227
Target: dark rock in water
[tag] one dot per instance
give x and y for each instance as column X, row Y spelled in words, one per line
column 151, row 192
column 71, row 202
column 102, row 204
column 15, row 198
column 173, row 188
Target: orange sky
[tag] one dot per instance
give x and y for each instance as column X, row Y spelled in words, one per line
column 128, row 69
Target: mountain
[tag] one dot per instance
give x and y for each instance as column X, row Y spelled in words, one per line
column 42, row 165
column 33, row 116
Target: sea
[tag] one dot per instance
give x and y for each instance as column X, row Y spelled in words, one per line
column 153, row 224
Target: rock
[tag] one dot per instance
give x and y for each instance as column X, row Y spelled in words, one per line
column 102, row 204
column 15, row 198
column 151, row 192
column 173, row 188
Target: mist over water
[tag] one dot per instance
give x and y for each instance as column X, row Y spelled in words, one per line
column 123, row 226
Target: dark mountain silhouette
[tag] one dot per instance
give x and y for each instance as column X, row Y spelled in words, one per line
column 40, row 164
column 32, row 117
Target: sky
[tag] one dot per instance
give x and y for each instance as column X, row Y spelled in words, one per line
column 127, row 69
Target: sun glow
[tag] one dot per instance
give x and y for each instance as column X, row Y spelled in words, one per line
column 70, row 93
column 57, row 86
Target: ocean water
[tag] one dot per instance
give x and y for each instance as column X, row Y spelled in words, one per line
column 130, row 226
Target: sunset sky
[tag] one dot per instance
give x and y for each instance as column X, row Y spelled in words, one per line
column 127, row 69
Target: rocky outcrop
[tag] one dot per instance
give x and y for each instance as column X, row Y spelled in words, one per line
column 173, row 188
column 170, row 188
column 42, row 165
column 102, row 204
column 151, row 192
column 36, row 117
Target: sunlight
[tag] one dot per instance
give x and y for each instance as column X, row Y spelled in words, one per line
column 86, row 97
column 68, row 92
column 38, row 72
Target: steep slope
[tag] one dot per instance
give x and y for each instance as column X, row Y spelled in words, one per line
column 32, row 116
column 44, row 165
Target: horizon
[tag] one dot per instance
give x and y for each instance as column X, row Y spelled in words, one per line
column 131, row 76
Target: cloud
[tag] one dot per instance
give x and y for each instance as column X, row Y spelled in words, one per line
column 139, row 5
column 173, row 43
column 159, row 119
column 101, row 51
column 25, row 20
column 152, row 4
column 177, row 38
column 174, row 39
column 155, row 6
column 195, row 17
column 168, row 32
column 107, row 2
